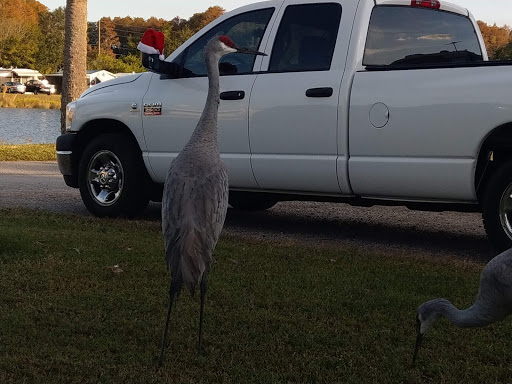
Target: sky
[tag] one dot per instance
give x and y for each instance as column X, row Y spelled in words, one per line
column 489, row 11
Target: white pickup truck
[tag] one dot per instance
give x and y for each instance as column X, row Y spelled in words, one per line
column 358, row 101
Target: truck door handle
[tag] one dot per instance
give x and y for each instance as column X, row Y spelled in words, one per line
column 232, row 95
column 319, row 92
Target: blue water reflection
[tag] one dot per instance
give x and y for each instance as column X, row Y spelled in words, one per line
column 29, row 126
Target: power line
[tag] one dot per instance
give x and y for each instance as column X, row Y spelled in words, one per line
column 131, row 32
column 129, row 26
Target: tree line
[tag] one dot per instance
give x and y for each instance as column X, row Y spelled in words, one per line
column 498, row 40
column 31, row 36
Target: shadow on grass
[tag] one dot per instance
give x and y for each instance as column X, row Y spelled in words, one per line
column 280, row 222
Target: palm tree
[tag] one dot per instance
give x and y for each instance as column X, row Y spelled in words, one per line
column 75, row 55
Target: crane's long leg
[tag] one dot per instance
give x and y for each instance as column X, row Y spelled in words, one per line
column 201, row 314
column 172, row 293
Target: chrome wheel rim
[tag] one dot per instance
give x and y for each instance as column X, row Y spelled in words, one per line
column 505, row 211
column 105, row 178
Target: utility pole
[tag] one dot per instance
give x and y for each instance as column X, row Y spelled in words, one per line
column 99, row 37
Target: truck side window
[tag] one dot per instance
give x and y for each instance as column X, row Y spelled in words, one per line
column 245, row 29
column 306, row 38
column 405, row 36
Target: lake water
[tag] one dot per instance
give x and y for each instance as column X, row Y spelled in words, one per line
column 29, row 126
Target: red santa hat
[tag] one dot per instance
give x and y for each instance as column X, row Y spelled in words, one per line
column 152, row 42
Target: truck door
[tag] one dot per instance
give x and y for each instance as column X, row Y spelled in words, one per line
column 293, row 119
column 172, row 107
column 413, row 122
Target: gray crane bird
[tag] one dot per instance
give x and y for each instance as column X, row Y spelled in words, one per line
column 195, row 198
column 493, row 302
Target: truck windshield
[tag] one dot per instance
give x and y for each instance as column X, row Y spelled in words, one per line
column 404, row 36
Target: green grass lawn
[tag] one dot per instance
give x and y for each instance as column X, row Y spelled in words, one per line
column 275, row 312
column 27, row 152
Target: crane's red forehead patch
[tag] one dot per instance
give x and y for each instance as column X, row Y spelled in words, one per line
column 226, row 40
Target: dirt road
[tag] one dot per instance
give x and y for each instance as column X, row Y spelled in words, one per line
column 39, row 185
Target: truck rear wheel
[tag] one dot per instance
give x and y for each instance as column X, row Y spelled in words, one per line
column 112, row 178
column 497, row 207
column 247, row 201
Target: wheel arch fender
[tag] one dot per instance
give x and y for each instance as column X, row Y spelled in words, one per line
column 496, row 148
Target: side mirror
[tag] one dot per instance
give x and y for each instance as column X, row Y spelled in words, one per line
column 154, row 64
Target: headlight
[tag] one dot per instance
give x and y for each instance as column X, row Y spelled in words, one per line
column 70, row 113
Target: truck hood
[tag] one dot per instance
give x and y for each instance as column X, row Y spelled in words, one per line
column 111, row 83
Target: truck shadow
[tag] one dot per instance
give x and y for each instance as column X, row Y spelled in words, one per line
column 399, row 237
column 449, row 234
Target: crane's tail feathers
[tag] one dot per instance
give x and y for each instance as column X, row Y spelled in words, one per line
column 186, row 258
column 193, row 263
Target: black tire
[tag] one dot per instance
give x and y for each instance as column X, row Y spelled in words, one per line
column 112, row 178
column 35, row 91
column 246, row 201
column 497, row 207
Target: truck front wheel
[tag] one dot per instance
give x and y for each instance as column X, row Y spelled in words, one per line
column 112, row 178
column 497, row 207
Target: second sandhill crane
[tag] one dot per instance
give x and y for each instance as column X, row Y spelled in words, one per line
column 195, row 198
column 493, row 302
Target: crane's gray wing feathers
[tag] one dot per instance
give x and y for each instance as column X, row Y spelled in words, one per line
column 193, row 214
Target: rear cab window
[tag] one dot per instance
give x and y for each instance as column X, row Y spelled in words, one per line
column 401, row 36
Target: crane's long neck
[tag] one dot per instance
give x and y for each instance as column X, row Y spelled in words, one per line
column 478, row 315
column 206, row 130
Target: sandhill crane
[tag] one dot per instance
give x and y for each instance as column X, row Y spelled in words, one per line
column 493, row 302
column 195, row 198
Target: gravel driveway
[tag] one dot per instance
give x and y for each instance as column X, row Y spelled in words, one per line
column 39, row 185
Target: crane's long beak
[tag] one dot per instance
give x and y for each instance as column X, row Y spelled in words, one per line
column 419, row 339
column 250, row 51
